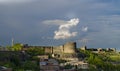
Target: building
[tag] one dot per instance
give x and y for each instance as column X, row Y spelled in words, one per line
column 43, row 57
column 79, row 64
column 111, row 49
column 49, row 65
column 98, row 50
column 66, row 51
column 83, row 48
column 3, row 48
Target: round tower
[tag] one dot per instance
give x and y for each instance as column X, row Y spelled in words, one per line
column 70, row 47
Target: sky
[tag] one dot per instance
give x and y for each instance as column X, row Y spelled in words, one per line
column 94, row 23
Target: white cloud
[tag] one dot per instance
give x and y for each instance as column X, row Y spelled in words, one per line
column 64, row 34
column 85, row 29
column 55, row 22
column 64, row 30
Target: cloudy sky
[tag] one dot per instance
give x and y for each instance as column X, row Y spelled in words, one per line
column 53, row 22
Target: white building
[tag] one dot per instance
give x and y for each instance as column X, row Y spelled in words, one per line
column 79, row 64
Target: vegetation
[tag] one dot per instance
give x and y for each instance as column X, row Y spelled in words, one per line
column 15, row 58
column 12, row 60
column 106, row 61
column 61, row 61
column 101, row 61
column 115, row 57
column 15, row 47
column 68, row 66
column 35, row 51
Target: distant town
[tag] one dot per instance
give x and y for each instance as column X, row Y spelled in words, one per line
column 66, row 57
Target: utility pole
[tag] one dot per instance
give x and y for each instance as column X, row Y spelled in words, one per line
column 12, row 41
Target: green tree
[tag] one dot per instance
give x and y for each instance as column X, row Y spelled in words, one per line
column 68, row 66
column 35, row 51
column 9, row 47
column 17, row 47
column 15, row 59
column 29, row 65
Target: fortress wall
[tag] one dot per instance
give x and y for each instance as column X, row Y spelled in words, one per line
column 48, row 50
column 70, row 47
column 58, row 49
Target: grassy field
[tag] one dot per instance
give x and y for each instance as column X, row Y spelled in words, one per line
column 115, row 57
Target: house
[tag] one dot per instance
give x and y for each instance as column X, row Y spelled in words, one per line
column 49, row 65
column 79, row 64
column 43, row 57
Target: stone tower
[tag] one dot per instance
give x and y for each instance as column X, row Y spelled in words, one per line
column 70, row 47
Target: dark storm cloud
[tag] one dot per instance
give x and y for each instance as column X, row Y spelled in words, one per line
column 23, row 20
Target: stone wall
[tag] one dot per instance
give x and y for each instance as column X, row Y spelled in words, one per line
column 66, row 51
column 70, row 47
